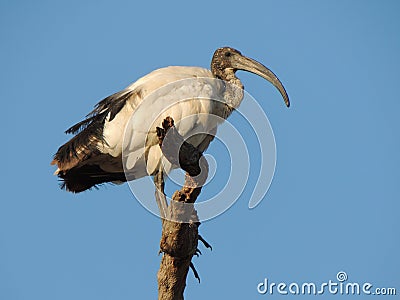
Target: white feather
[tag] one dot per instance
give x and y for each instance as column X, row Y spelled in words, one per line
column 132, row 132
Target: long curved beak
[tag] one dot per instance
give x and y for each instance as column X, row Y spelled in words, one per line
column 244, row 63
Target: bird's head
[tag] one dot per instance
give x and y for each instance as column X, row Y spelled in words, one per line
column 228, row 60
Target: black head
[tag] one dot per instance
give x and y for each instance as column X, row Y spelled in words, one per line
column 226, row 60
column 222, row 59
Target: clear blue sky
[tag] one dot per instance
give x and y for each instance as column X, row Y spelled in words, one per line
column 333, row 204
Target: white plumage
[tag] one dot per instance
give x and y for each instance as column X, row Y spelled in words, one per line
column 160, row 92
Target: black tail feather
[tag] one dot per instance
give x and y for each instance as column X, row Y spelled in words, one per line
column 83, row 178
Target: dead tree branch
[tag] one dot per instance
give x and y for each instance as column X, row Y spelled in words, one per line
column 180, row 223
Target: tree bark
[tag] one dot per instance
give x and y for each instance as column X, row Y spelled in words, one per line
column 180, row 222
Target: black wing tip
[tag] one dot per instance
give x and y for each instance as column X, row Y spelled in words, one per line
column 87, row 177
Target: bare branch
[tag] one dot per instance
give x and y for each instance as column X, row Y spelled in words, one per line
column 179, row 239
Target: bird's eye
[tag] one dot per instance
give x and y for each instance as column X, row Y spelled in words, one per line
column 228, row 54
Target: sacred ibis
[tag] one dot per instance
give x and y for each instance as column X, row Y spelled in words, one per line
column 94, row 155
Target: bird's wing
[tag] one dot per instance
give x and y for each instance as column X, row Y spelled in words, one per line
column 89, row 132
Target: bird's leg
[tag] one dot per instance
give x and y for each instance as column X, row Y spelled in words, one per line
column 160, row 194
column 159, row 177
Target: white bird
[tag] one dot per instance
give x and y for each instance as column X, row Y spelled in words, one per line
column 117, row 141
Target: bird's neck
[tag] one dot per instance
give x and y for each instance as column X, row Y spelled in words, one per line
column 233, row 94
